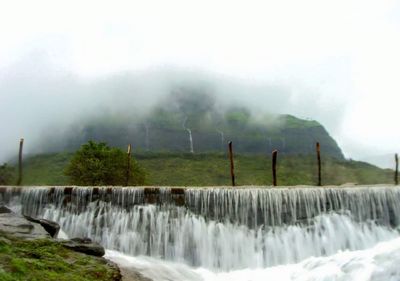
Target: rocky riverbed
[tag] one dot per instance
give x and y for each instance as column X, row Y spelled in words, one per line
column 30, row 250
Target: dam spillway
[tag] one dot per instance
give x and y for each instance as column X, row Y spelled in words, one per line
column 220, row 229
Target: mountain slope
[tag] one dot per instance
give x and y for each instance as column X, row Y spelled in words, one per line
column 188, row 119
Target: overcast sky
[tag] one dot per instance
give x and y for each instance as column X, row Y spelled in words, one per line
column 334, row 61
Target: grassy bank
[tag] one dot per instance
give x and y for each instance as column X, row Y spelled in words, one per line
column 168, row 169
column 46, row 259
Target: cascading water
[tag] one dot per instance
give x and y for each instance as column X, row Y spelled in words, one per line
column 269, row 143
column 190, row 135
column 147, row 138
column 222, row 229
column 221, row 133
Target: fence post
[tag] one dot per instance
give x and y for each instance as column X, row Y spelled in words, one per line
column 274, row 158
column 396, row 171
column 128, row 169
column 21, row 145
column 231, row 161
column 318, row 148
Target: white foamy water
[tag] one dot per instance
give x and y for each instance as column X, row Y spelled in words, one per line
column 183, row 237
column 379, row 263
column 233, row 234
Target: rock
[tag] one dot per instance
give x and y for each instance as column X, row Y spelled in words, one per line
column 117, row 275
column 84, row 240
column 84, row 245
column 131, row 274
column 21, row 227
column 4, row 240
column 5, row 210
column 50, row 226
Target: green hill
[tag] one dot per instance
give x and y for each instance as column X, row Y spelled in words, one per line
column 192, row 114
column 212, row 169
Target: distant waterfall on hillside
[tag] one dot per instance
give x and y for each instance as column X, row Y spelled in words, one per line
column 190, row 135
column 283, row 144
column 222, row 228
column 221, row 133
column 147, row 141
column 269, row 144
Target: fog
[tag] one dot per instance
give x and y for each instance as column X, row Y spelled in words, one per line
column 41, row 102
column 334, row 62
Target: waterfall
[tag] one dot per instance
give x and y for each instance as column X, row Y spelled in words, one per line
column 221, row 228
column 283, row 144
column 190, row 135
column 221, row 133
column 190, row 140
column 147, row 141
column 269, row 143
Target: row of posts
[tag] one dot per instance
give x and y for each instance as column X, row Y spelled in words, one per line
column 232, row 166
column 318, row 152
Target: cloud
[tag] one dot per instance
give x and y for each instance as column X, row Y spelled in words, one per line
column 42, row 101
column 334, row 61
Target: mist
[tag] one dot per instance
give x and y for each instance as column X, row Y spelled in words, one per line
column 42, row 102
column 65, row 62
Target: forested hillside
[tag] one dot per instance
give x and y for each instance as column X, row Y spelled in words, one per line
column 192, row 121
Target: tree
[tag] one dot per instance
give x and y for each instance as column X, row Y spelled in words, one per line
column 238, row 117
column 98, row 164
column 6, row 174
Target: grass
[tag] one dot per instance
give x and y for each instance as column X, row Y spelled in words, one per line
column 46, row 169
column 46, row 259
column 203, row 170
column 174, row 169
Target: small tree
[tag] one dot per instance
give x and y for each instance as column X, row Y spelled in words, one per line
column 98, row 164
column 6, row 174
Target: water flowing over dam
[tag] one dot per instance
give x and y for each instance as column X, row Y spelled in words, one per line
column 220, row 229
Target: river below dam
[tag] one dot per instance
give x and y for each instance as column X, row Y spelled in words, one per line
column 253, row 233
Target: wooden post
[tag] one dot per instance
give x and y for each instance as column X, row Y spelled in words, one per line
column 232, row 165
column 396, row 171
column 274, row 157
column 318, row 147
column 21, row 145
column 128, row 169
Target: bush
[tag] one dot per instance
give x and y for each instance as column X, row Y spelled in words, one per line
column 98, row 164
column 6, row 174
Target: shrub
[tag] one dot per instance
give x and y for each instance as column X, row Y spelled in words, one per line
column 6, row 174
column 98, row 164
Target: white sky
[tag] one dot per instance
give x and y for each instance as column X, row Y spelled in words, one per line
column 345, row 54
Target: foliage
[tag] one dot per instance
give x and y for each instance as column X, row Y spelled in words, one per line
column 184, row 105
column 98, row 164
column 238, row 117
column 212, row 169
column 46, row 169
column 192, row 102
column 6, row 174
column 195, row 107
column 48, row 260
column 290, row 121
column 161, row 118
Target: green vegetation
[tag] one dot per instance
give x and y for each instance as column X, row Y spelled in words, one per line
column 292, row 122
column 46, row 169
column 213, row 170
column 168, row 169
column 6, row 174
column 45, row 259
column 98, row 164
column 211, row 123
